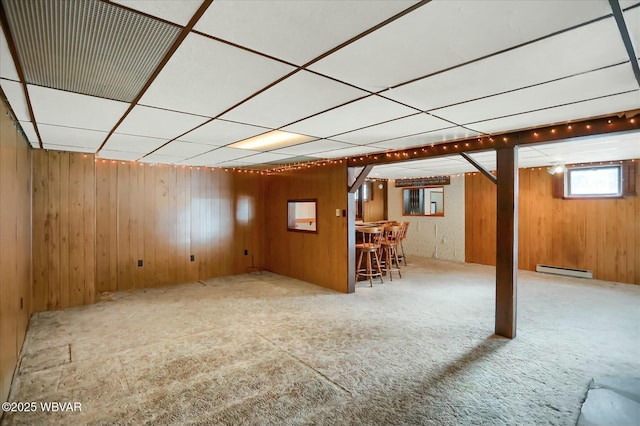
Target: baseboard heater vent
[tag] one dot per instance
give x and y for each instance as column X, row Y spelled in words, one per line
column 570, row 272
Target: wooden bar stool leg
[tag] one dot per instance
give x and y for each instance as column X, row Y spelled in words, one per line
column 395, row 253
column 369, row 270
column 375, row 253
column 388, row 261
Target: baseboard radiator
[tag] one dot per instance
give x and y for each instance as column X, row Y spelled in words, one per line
column 569, row 272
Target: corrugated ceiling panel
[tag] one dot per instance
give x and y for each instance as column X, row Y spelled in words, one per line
column 87, row 46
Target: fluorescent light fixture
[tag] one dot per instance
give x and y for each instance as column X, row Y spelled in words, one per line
column 271, row 140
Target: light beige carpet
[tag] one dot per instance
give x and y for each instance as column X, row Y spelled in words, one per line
column 265, row 349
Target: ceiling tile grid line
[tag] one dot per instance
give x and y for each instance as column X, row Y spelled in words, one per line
column 499, row 52
column 371, row 62
column 471, row 124
column 15, row 58
column 123, row 52
column 626, row 39
column 177, row 42
column 584, row 87
column 375, row 122
column 321, row 27
column 432, row 110
column 387, row 21
column 229, row 109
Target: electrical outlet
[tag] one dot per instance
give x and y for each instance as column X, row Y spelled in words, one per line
column 193, row 257
column 140, row 263
column 246, row 252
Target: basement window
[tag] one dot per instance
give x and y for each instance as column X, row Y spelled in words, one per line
column 593, row 182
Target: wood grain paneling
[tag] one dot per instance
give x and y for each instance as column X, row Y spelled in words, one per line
column 162, row 215
column 320, row 258
column 63, row 229
column 596, row 234
column 15, row 246
column 376, row 209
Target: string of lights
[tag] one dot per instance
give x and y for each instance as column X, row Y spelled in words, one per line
column 546, row 134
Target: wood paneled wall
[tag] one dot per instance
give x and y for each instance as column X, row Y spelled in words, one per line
column 376, row 209
column 596, row 234
column 162, row 215
column 64, row 229
column 319, row 258
column 15, row 246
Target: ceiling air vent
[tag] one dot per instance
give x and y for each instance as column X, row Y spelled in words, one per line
column 87, row 46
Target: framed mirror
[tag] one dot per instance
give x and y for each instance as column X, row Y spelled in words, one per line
column 426, row 201
column 302, row 215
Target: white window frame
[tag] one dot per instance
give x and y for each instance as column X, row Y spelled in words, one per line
column 567, row 182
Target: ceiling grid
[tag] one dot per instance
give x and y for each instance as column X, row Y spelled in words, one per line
column 181, row 82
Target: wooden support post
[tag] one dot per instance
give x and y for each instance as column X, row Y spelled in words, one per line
column 351, row 231
column 507, row 242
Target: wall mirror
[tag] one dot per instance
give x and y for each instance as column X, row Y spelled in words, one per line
column 427, row 201
column 302, row 215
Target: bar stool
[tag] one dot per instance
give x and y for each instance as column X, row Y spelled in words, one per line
column 369, row 246
column 405, row 227
column 389, row 243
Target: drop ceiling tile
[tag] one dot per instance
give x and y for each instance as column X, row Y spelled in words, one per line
column 177, row 11
column 322, row 145
column 15, row 96
column 318, row 25
column 158, row 123
column 118, row 155
column 89, row 140
column 192, row 162
column 71, row 148
column 221, row 132
column 386, row 171
column 207, row 77
column 529, row 152
column 625, row 4
column 412, row 46
column 346, row 152
column 574, row 89
column 365, row 112
column 576, row 111
column 265, row 157
column 161, row 159
column 220, row 155
column 438, row 136
column 30, row 132
column 132, row 143
column 583, row 49
column 7, row 67
column 418, row 123
column 183, row 149
column 62, row 108
column 299, row 96
column 632, row 19
column 234, row 164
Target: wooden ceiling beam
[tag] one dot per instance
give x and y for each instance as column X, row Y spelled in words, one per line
column 480, row 168
column 617, row 123
column 360, row 179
